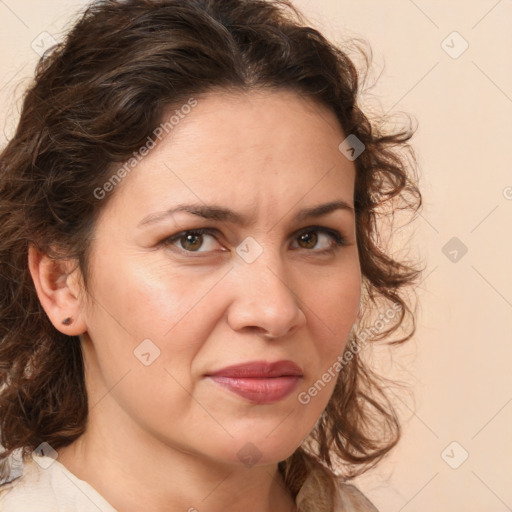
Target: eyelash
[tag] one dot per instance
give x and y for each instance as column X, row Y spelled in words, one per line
column 338, row 239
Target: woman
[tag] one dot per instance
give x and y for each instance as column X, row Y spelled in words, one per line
column 191, row 262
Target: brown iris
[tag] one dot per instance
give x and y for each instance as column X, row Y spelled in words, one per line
column 195, row 239
column 309, row 238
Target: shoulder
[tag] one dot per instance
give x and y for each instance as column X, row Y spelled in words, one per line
column 24, row 488
column 45, row 485
column 351, row 499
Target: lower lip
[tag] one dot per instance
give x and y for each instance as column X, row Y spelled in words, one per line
column 259, row 390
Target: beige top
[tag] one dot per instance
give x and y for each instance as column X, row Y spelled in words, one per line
column 43, row 484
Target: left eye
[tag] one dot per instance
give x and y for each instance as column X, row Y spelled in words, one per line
column 312, row 237
column 194, row 240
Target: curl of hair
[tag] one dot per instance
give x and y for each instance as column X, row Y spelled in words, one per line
column 95, row 99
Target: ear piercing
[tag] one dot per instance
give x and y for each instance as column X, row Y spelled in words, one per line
column 67, row 320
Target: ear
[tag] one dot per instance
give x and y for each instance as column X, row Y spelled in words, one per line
column 59, row 287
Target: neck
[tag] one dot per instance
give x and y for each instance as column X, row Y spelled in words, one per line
column 120, row 465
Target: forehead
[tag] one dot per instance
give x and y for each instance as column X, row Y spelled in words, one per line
column 254, row 149
column 268, row 120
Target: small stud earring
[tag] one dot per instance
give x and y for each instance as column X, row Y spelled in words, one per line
column 67, row 320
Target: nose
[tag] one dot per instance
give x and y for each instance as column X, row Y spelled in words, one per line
column 264, row 300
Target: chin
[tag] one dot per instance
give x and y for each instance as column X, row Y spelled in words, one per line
column 259, row 450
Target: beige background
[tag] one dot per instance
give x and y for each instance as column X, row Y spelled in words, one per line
column 458, row 365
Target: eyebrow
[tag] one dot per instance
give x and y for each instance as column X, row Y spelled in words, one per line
column 219, row 213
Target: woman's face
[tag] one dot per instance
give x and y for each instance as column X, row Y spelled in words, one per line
column 170, row 308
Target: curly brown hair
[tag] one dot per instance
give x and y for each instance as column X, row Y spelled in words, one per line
column 95, row 99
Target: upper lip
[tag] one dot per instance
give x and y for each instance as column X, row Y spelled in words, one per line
column 261, row 369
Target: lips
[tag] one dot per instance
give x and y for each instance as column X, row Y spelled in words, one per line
column 260, row 369
column 259, row 382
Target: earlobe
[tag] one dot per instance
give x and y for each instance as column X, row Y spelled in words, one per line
column 57, row 291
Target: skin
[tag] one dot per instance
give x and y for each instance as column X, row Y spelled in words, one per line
column 164, row 437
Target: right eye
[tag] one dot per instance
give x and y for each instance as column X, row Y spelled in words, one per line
column 192, row 240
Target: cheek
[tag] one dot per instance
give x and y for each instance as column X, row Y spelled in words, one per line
column 333, row 304
column 335, row 307
column 152, row 300
column 334, row 311
column 147, row 324
column 147, row 314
